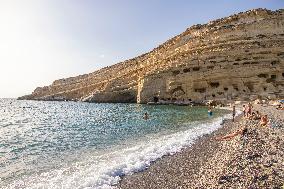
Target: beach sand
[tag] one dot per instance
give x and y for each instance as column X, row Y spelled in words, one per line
column 208, row 163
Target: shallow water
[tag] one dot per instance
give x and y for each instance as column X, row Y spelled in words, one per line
column 89, row 145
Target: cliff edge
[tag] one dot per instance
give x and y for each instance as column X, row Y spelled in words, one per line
column 238, row 57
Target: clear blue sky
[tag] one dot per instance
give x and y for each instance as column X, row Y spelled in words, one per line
column 44, row 40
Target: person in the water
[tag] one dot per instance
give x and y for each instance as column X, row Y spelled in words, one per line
column 210, row 113
column 146, row 116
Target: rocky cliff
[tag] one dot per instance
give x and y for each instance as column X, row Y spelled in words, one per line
column 237, row 57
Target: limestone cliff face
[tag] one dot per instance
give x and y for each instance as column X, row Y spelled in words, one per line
column 237, row 57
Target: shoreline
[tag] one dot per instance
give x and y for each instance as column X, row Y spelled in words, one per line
column 124, row 160
column 209, row 163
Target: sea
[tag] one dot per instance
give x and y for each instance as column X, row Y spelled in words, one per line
column 77, row 145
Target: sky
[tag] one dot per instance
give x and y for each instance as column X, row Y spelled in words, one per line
column 45, row 40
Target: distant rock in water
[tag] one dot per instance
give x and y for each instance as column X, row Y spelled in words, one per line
column 238, row 57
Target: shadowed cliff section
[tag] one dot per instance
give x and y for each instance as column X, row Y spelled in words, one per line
column 237, row 57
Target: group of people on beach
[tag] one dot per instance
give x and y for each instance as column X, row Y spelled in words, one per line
column 247, row 109
column 248, row 113
column 280, row 107
column 251, row 115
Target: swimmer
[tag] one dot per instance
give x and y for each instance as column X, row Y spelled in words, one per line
column 146, row 116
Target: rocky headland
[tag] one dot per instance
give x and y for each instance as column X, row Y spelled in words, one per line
column 239, row 57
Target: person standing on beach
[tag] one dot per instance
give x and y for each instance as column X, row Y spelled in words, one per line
column 244, row 110
column 234, row 112
column 249, row 109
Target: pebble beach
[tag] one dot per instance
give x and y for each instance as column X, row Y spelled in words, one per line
column 209, row 163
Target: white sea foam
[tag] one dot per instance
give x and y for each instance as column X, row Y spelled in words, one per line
column 105, row 170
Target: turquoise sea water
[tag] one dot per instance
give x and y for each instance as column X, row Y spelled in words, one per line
column 90, row 145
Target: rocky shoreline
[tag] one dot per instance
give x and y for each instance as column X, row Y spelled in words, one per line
column 209, row 163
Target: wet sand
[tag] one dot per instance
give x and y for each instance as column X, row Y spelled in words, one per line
column 208, row 163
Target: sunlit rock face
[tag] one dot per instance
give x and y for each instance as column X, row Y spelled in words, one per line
column 237, row 57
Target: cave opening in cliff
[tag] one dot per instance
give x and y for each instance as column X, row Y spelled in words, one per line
column 261, row 36
column 200, row 90
column 262, row 75
column 264, row 88
column 271, row 79
column 274, row 63
column 196, row 68
column 220, row 93
column 175, row 72
column 273, row 76
column 214, row 84
column 210, row 67
column 186, row 70
column 280, row 54
column 156, row 99
column 282, row 74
